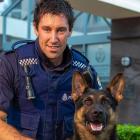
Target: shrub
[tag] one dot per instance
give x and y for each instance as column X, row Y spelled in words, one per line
column 128, row 132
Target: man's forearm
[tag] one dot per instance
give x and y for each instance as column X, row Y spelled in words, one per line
column 8, row 132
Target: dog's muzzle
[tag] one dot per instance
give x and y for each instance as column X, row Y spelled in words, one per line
column 96, row 120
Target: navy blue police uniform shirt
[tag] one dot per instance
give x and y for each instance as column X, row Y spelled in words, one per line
column 50, row 115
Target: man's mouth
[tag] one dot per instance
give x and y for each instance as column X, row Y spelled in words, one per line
column 53, row 47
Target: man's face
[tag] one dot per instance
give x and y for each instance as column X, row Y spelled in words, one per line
column 53, row 32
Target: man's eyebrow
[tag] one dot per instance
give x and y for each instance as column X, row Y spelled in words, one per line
column 64, row 28
column 61, row 27
column 45, row 27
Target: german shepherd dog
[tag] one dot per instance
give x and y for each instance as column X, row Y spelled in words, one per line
column 95, row 110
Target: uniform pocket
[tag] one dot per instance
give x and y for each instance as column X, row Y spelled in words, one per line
column 27, row 124
column 68, row 126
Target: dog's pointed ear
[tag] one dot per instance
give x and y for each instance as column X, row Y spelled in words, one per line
column 79, row 85
column 88, row 77
column 116, row 87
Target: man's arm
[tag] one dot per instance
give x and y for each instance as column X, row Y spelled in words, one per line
column 8, row 132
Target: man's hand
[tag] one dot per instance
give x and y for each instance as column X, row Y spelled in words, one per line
column 8, row 132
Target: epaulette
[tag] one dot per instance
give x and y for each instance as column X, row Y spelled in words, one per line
column 21, row 43
column 16, row 45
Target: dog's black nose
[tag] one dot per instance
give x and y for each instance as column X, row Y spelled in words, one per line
column 96, row 113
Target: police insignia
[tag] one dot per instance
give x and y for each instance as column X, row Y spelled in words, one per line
column 66, row 97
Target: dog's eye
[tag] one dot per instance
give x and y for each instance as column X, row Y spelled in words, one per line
column 105, row 101
column 88, row 101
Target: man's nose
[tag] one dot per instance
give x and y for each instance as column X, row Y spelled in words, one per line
column 54, row 37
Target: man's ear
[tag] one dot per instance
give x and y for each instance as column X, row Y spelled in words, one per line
column 35, row 29
column 69, row 33
column 79, row 85
column 116, row 87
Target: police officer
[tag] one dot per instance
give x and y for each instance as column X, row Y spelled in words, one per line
column 35, row 78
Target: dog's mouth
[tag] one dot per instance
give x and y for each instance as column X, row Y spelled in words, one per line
column 95, row 127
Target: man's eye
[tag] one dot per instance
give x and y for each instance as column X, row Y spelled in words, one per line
column 61, row 30
column 47, row 30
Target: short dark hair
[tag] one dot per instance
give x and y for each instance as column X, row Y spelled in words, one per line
column 54, row 7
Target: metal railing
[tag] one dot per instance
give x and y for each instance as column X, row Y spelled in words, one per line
column 5, row 43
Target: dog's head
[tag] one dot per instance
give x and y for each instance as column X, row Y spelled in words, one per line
column 95, row 109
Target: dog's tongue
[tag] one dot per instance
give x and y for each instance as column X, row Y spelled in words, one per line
column 96, row 127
